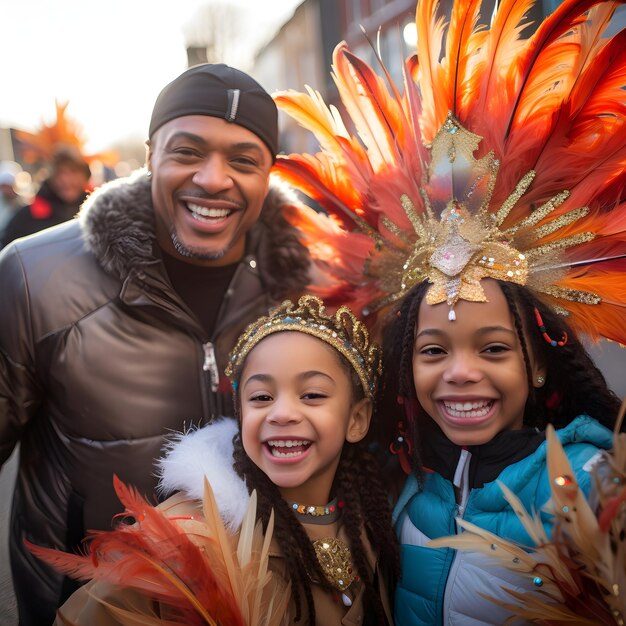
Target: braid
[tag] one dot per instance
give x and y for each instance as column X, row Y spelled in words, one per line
column 292, row 539
column 574, row 384
column 375, row 506
column 397, row 381
column 367, row 507
column 359, row 485
column 587, row 390
column 532, row 414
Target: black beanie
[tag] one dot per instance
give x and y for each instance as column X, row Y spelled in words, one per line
column 220, row 91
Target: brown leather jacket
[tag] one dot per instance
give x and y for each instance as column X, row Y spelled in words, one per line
column 100, row 358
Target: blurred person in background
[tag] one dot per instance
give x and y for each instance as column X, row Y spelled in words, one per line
column 10, row 201
column 58, row 198
column 116, row 326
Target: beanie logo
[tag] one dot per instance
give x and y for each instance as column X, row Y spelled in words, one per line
column 233, row 104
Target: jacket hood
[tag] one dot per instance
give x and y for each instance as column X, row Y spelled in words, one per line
column 119, row 226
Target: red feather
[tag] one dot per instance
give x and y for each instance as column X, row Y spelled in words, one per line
column 188, row 564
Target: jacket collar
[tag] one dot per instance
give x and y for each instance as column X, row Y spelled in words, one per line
column 206, row 453
column 487, row 460
column 119, row 227
column 582, row 429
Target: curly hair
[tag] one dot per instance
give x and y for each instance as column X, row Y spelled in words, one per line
column 359, row 485
column 574, row 384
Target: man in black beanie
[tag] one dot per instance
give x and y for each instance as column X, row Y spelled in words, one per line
column 116, row 325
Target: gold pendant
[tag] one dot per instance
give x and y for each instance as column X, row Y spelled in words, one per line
column 335, row 560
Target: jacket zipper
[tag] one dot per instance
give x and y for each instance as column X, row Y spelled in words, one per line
column 460, row 483
column 210, row 365
column 211, row 378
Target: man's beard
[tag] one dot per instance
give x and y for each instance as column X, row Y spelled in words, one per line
column 195, row 253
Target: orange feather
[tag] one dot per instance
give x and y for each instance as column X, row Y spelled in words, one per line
column 189, row 564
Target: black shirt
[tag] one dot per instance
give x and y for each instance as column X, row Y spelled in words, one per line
column 201, row 288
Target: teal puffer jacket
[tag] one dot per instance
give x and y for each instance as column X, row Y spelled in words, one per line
column 441, row 586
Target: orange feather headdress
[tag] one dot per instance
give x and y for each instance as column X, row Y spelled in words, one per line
column 503, row 157
column 64, row 134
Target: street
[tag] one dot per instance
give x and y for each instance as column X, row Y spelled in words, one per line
column 8, row 612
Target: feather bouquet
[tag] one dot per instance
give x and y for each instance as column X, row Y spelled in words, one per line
column 188, row 566
column 580, row 573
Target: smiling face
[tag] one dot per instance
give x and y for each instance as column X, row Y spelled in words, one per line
column 69, row 181
column 297, row 410
column 470, row 375
column 209, row 181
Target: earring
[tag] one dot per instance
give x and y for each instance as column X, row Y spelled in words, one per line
column 540, row 380
column 148, row 173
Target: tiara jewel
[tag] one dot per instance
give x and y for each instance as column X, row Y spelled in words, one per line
column 343, row 331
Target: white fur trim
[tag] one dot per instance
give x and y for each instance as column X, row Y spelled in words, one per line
column 206, row 451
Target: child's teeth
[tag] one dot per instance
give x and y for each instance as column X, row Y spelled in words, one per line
column 477, row 408
column 289, row 443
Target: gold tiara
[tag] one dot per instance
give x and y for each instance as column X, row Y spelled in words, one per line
column 343, row 331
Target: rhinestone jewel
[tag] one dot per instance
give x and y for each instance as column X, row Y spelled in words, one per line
column 563, row 481
column 453, row 255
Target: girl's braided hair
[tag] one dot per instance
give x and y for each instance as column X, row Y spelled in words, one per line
column 359, row 485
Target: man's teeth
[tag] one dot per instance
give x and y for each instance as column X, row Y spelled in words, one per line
column 202, row 211
column 478, row 408
column 277, row 447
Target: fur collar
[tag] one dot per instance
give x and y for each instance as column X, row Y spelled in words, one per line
column 118, row 224
column 206, row 451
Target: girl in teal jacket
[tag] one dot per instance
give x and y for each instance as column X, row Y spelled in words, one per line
column 478, row 393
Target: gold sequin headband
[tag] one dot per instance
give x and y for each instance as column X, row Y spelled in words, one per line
column 343, row 331
column 454, row 253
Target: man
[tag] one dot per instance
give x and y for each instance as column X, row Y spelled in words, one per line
column 58, row 198
column 116, row 326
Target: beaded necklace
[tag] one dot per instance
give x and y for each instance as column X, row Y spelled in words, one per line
column 326, row 514
column 332, row 554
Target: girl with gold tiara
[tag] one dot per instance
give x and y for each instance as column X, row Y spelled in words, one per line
column 303, row 383
column 478, row 223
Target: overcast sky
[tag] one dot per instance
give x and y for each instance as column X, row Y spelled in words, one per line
column 108, row 59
